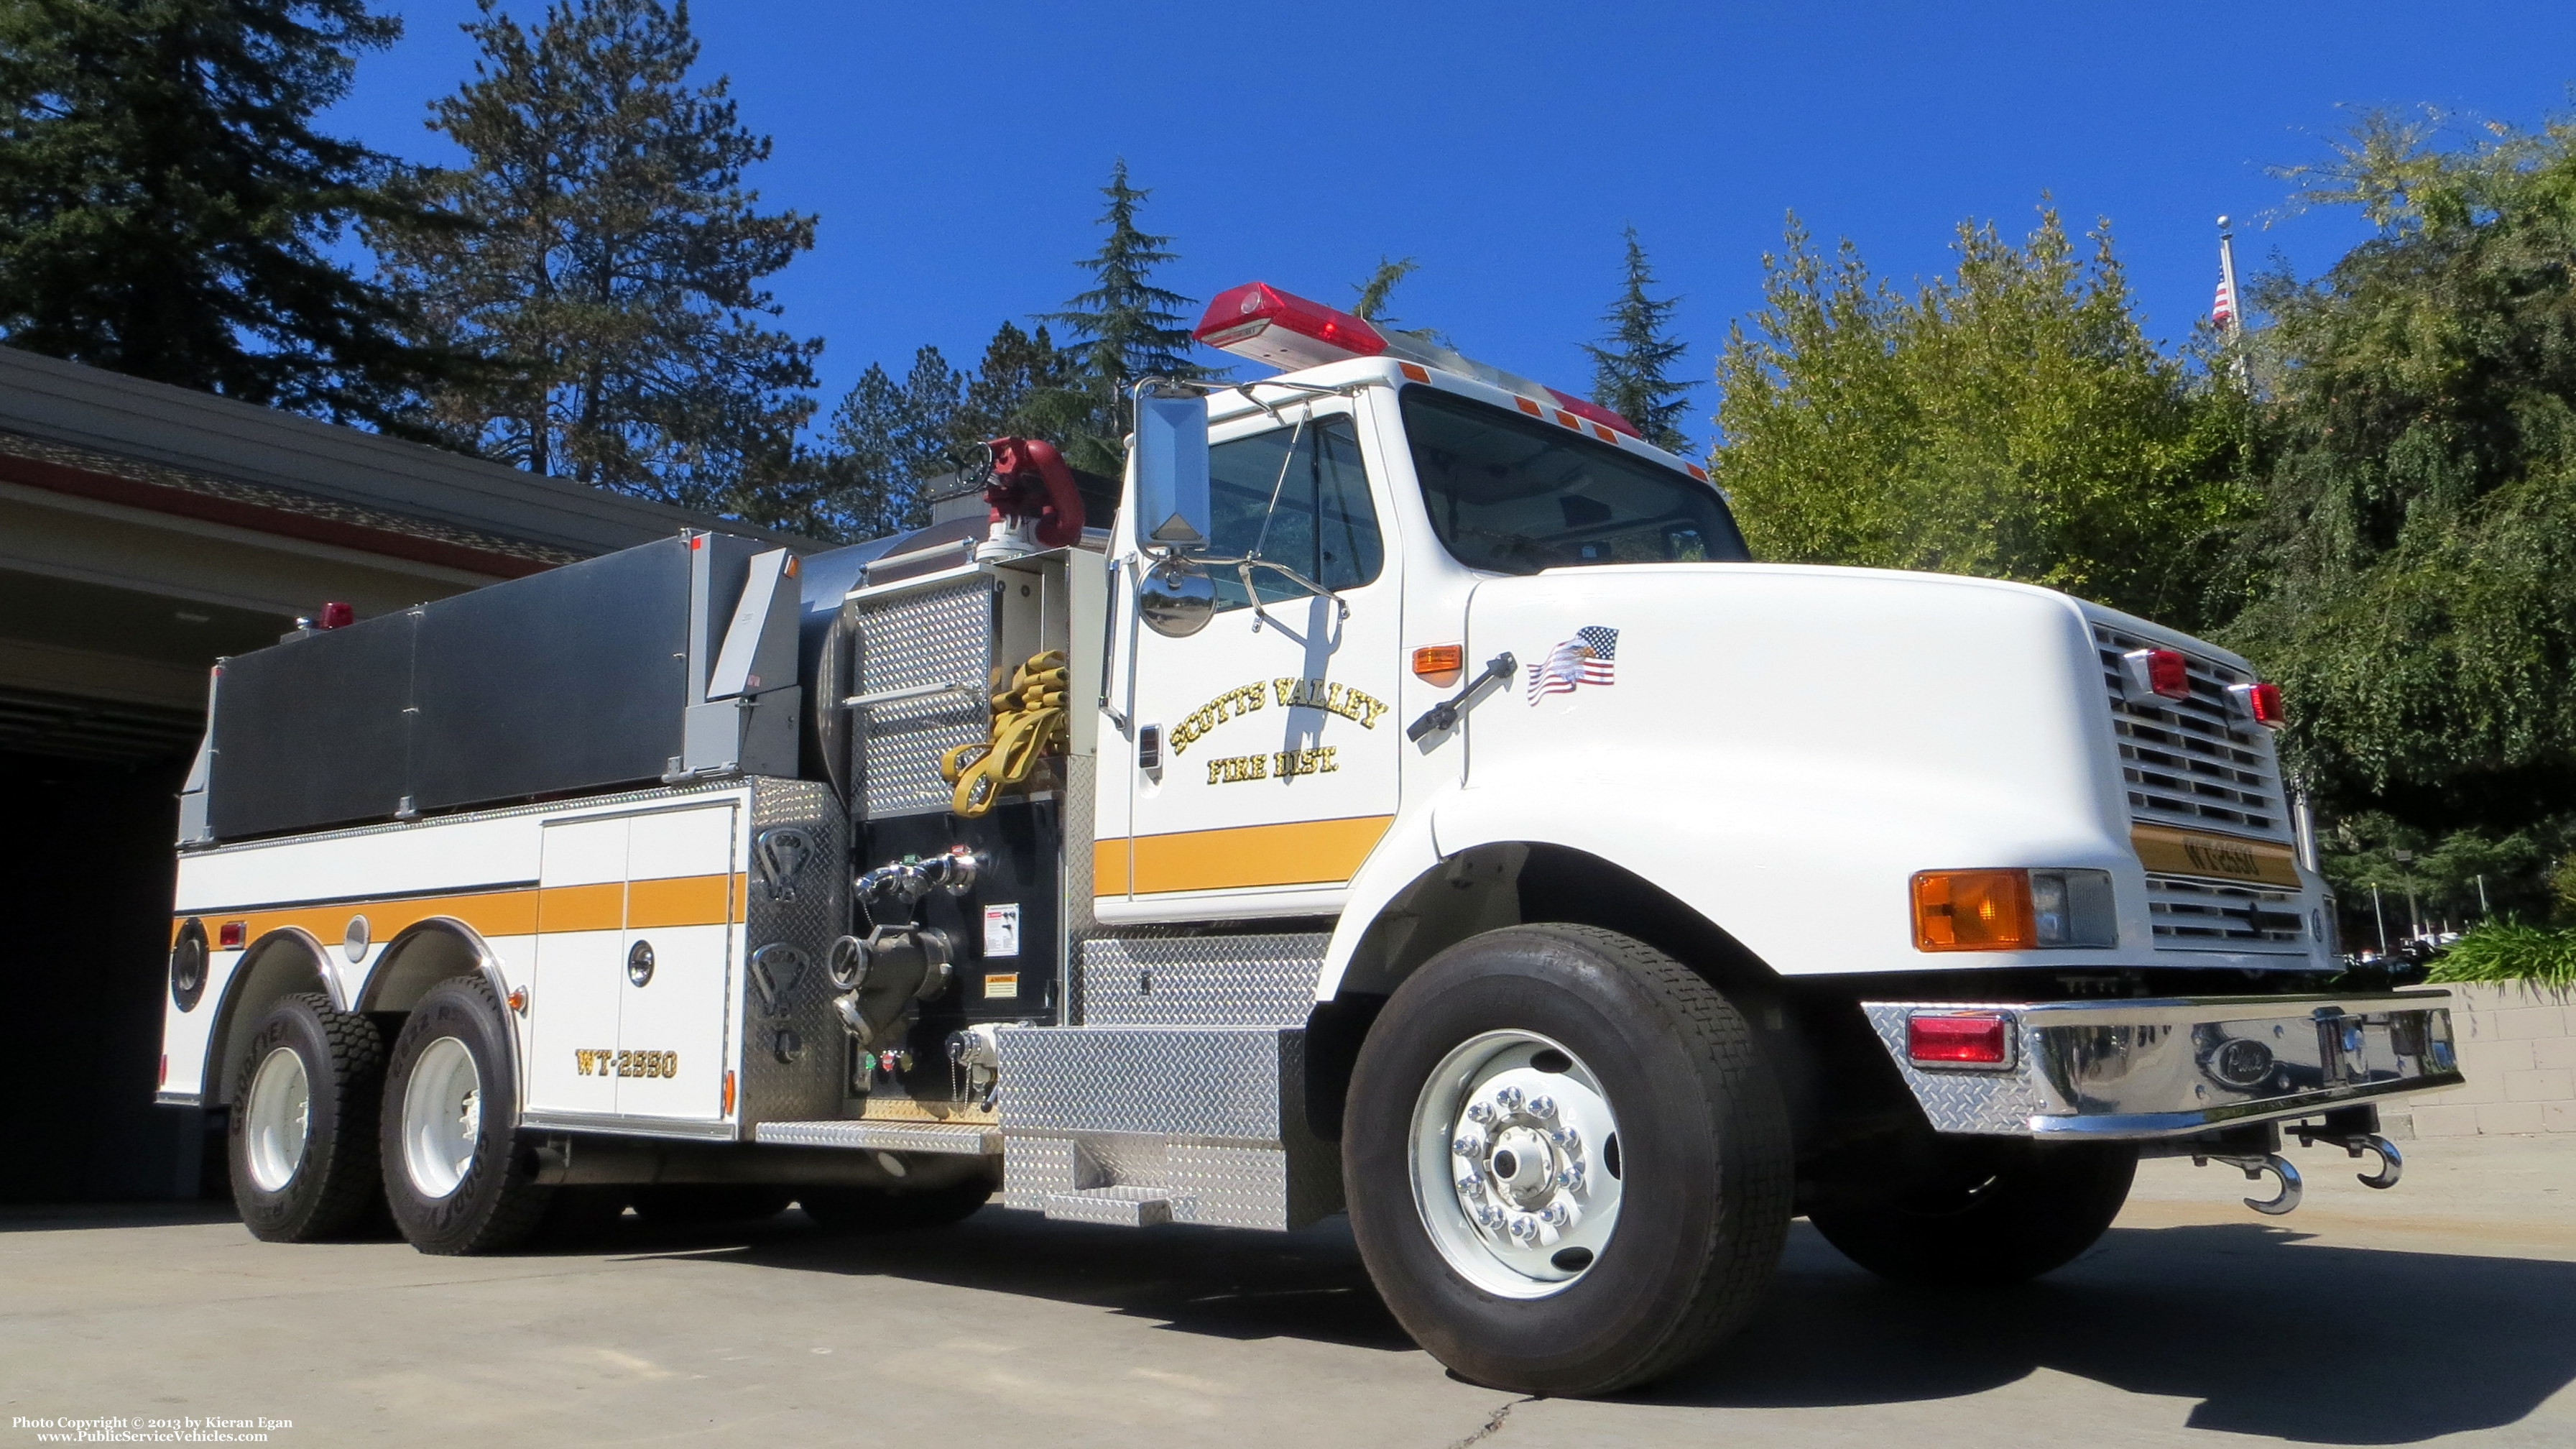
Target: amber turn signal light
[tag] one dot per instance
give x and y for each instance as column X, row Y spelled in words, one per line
column 1440, row 663
column 1972, row 910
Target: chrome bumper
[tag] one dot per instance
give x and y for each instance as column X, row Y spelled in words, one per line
column 2176, row 1066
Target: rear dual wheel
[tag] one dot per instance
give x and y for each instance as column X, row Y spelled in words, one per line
column 453, row 1172
column 1568, row 1169
column 302, row 1135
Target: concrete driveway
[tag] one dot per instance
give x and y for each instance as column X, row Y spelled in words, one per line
column 2445, row 1310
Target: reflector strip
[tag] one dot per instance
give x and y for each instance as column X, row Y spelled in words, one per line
column 1415, row 371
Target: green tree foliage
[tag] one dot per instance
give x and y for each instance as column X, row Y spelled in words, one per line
column 611, row 259
column 1123, row 327
column 1632, row 367
column 1007, row 395
column 166, row 206
column 885, row 441
column 1380, row 286
column 2011, row 421
column 2414, row 566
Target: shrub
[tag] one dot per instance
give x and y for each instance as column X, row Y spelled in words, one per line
column 2510, row 951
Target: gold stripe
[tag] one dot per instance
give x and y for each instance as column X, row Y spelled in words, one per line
column 1301, row 852
column 2164, row 850
column 1109, row 866
column 680, row 900
column 600, row 907
column 700, row 900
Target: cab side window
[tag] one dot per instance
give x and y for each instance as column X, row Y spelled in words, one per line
column 1322, row 525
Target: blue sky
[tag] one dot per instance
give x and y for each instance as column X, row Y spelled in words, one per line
column 953, row 150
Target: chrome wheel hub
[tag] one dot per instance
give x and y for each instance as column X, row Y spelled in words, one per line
column 1515, row 1164
column 442, row 1117
column 278, row 1119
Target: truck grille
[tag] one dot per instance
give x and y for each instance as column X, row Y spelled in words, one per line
column 2193, row 763
column 2204, row 915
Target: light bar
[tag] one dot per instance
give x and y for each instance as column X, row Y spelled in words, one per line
column 1259, row 321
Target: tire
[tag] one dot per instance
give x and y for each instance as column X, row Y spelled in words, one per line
column 1999, row 1211
column 699, row 1204
column 1620, row 1090
column 453, row 1173
column 891, row 1210
column 302, row 1139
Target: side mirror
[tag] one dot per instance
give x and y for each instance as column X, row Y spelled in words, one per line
column 1171, row 480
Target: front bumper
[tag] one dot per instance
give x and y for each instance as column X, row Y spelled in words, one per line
column 2177, row 1066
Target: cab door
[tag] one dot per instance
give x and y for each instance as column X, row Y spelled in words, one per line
column 1261, row 761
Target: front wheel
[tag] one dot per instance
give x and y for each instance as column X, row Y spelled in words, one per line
column 1988, row 1210
column 1568, row 1170
column 453, row 1174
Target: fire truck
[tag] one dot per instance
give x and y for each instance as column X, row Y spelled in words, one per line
column 1413, row 803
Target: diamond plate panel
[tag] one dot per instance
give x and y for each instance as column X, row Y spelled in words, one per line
column 1081, row 774
column 791, row 1041
column 1992, row 1103
column 907, row 641
column 1036, row 1168
column 1121, row 1207
column 884, row 1137
column 1200, row 980
column 1244, row 1083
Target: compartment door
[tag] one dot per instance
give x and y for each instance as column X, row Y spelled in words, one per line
column 683, row 897
column 573, row 997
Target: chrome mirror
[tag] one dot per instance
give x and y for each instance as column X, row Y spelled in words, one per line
column 1176, row 598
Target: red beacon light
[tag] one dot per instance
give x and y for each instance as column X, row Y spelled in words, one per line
column 1259, row 321
column 2263, row 702
column 2159, row 671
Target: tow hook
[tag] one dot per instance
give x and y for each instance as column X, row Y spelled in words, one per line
column 2391, row 1165
column 2254, row 1166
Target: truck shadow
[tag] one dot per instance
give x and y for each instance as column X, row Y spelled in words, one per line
column 2267, row 1331
column 2270, row 1333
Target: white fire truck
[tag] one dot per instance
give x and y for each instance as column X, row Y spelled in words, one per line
column 1415, row 803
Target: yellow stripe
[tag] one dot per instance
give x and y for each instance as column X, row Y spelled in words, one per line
column 699, row 900
column 1109, row 866
column 2167, row 851
column 1301, row 852
column 683, row 900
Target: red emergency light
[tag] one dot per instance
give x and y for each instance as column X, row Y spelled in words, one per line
column 2263, row 702
column 1259, row 321
column 2161, row 671
column 1957, row 1038
column 1595, row 412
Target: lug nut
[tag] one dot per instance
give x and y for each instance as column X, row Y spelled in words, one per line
column 1510, row 1097
column 1556, row 1215
column 1542, row 1105
column 1524, row 1227
column 1481, row 1113
column 1470, row 1143
column 1566, row 1137
column 1570, row 1178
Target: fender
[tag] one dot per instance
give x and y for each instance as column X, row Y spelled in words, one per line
column 433, row 950
column 262, row 973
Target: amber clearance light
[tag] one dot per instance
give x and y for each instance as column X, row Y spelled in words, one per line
column 1440, row 664
column 1972, row 910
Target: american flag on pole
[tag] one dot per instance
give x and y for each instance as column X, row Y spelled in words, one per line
column 1590, row 657
column 2223, row 310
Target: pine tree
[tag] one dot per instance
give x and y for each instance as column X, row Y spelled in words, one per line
column 167, row 208
column 1125, row 328
column 1379, row 287
column 885, row 441
column 612, row 258
column 1630, row 374
column 1018, row 370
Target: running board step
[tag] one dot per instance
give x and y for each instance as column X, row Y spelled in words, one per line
column 1124, row 1207
column 884, row 1137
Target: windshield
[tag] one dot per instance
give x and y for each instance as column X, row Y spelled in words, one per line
column 1515, row 495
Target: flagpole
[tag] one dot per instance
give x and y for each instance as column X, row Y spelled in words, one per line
column 2235, row 299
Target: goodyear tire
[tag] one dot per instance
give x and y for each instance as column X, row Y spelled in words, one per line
column 894, row 1210
column 1995, row 1211
column 1568, row 1170
column 302, row 1138
column 453, row 1172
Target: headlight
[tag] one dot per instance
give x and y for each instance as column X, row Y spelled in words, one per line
column 2013, row 910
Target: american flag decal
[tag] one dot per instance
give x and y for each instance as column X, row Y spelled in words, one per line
column 1590, row 657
